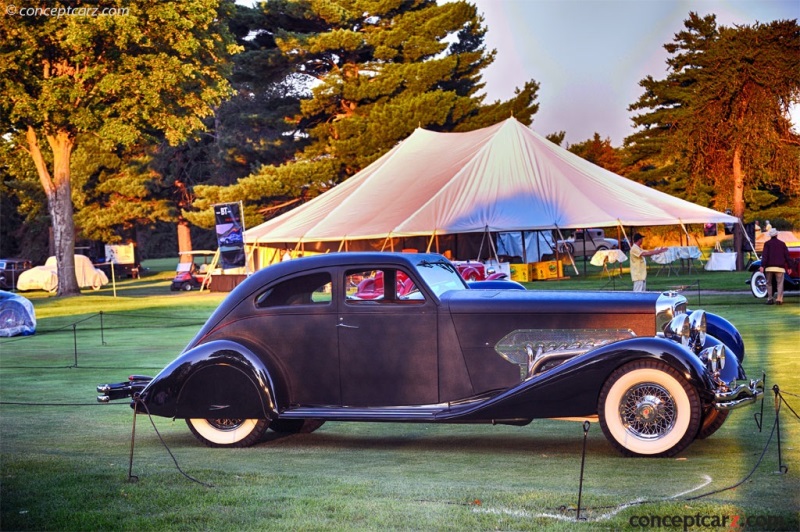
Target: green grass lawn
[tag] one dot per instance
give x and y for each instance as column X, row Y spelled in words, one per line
column 64, row 458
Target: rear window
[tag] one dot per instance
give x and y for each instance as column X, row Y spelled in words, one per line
column 314, row 289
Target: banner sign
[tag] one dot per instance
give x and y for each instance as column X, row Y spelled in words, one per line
column 230, row 234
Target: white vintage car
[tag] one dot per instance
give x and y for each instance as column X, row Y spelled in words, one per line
column 586, row 242
column 46, row 277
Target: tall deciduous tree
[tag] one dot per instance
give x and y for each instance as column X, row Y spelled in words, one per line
column 374, row 70
column 721, row 117
column 132, row 68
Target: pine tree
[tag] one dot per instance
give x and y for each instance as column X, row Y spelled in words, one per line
column 600, row 152
column 374, row 71
column 719, row 125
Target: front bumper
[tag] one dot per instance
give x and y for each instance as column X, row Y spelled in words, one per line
column 738, row 395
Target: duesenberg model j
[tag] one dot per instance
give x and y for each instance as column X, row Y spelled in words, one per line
column 298, row 343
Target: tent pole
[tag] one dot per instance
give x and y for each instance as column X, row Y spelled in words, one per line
column 247, row 258
column 689, row 240
column 492, row 246
column 480, row 248
column 524, row 250
column 430, row 242
column 571, row 259
column 211, row 268
column 747, row 237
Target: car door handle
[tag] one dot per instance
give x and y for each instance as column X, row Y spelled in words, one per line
column 345, row 326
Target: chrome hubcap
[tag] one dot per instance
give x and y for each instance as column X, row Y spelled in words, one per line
column 648, row 411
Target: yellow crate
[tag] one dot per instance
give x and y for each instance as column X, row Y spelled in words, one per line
column 552, row 269
column 521, row 272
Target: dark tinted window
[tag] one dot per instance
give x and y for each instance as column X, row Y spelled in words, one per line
column 314, row 289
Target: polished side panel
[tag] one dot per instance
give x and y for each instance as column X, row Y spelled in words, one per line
column 573, row 388
column 479, row 333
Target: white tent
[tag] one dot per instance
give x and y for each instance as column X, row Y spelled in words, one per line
column 500, row 178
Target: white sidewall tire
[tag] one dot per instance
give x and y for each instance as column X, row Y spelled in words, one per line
column 223, row 437
column 757, row 281
column 631, row 442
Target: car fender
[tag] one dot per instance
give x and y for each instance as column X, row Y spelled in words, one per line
column 221, row 378
column 495, row 284
column 573, row 388
column 725, row 332
column 733, row 368
column 470, row 271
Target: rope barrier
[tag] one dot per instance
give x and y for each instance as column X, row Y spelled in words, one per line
column 138, row 402
column 779, row 400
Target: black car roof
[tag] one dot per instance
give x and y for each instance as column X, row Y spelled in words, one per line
column 328, row 260
column 344, row 259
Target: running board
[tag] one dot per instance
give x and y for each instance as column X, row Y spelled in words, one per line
column 386, row 413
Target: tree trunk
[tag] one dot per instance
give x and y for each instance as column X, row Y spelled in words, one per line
column 58, row 190
column 738, row 207
column 184, row 239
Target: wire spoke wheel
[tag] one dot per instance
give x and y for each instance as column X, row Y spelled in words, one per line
column 647, row 408
column 648, row 411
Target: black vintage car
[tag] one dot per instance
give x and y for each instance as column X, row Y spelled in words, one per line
column 401, row 337
column 10, row 270
column 791, row 280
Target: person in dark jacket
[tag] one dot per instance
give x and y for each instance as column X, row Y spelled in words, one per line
column 774, row 259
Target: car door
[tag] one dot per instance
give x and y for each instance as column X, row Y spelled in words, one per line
column 387, row 340
column 295, row 320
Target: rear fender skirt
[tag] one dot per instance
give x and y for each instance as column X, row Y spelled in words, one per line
column 220, row 377
column 572, row 389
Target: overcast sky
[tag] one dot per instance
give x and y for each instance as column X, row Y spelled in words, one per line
column 589, row 55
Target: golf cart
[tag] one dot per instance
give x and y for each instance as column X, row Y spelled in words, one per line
column 190, row 275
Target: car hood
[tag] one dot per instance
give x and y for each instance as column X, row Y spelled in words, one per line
column 549, row 302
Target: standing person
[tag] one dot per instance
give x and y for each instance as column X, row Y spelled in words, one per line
column 638, row 264
column 774, row 258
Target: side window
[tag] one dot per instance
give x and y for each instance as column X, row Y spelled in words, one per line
column 314, row 289
column 386, row 285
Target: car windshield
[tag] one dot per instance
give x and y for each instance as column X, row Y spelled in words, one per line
column 440, row 276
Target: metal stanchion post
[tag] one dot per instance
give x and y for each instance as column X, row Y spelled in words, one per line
column 586, row 425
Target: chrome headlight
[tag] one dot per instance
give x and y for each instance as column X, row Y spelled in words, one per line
column 697, row 320
column 669, row 305
column 679, row 329
column 713, row 357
